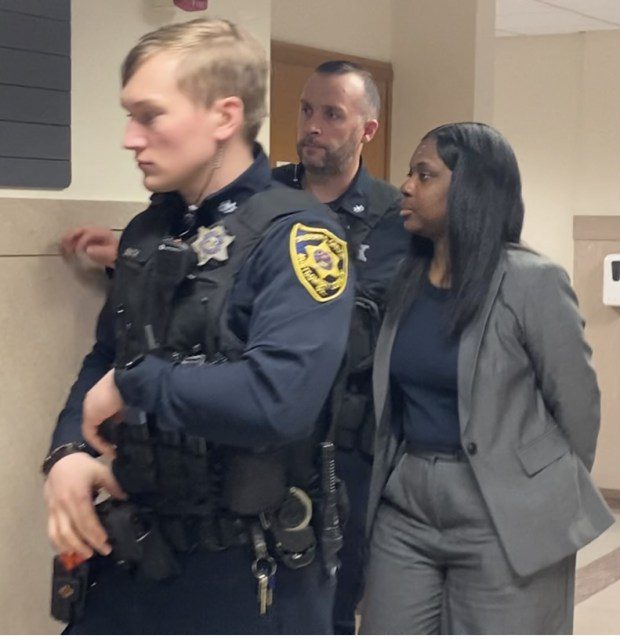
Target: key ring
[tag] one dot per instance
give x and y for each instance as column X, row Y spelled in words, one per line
column 264, row 566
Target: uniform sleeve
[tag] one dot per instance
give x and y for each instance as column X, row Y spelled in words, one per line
column 562, row 359
column 274, row 393
column 95, row 365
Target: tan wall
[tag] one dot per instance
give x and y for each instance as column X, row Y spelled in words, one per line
column 597, row 183
column 557, row 99
column 356, row 27
column 47, row 315
column 596, row 237
column 48, row 307
column 537, row 106
column 442, row 53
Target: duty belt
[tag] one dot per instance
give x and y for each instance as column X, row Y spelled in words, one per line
column 166, row 515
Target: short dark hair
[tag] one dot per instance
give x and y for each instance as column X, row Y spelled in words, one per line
column 342, row 67
column 485, row 212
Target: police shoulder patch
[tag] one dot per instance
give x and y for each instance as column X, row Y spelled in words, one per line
column 320, row 260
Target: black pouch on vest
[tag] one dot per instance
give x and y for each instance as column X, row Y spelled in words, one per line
column 170, row 466
column 135, row 465
column 350, row 415
column 253, row 482
column 136, row 540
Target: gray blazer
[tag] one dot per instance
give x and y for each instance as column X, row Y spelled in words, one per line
column 529, row 409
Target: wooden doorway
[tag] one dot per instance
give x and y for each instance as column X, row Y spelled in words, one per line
column 291, row 65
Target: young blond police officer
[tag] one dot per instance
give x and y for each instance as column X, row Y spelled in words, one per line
column 338, row 115
column 231, row 301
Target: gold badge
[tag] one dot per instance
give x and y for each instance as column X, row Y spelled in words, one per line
column 212, row 243
column 320, row 261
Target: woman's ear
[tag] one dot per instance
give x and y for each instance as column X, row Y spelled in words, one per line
column 229, row 117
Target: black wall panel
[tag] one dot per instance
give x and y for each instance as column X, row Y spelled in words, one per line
column 36, row 174
column 29, row 69
column 56, row 9
column 35, row 93
column 46, row 142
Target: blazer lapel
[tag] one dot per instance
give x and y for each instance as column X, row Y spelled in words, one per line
column 381, row 367
column 469, row 347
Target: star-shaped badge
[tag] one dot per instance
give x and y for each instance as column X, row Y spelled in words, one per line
column 212, row 243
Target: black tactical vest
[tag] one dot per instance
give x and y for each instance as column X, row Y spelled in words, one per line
column 169, row 305
column 166, row 303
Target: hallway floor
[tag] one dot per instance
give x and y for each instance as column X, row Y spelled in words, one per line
column 597, row 590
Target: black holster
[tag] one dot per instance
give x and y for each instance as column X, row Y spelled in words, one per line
column 69, row 588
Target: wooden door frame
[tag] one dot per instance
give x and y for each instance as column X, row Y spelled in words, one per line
column 287, row 52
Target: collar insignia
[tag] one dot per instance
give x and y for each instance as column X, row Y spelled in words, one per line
column 361, row 252
column 212, row 243
column 131, row 252
column 359, row 208
column 227, row 206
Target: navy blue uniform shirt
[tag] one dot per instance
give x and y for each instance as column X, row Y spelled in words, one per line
column 294, row 344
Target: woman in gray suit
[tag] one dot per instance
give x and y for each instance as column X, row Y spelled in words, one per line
column 488, row 412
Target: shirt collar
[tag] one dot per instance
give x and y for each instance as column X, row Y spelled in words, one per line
column 353, row 201
column 256, row 178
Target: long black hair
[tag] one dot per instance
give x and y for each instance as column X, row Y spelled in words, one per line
column 485, row 212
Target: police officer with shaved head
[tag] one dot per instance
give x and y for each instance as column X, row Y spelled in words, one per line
column 338, row 114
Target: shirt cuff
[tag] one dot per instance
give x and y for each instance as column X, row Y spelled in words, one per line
column 139, row 385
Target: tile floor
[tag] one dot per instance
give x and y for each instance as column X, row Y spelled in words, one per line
column 598, row 580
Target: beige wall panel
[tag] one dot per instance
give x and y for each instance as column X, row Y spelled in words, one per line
column 436, row 61
column 537, row 107
column 603, row 333
column 357, row 27
column 597, row 183
column 33, row 227
column 557, row 99
column 47, row 318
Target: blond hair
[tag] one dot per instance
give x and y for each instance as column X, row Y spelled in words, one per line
column 217, row 60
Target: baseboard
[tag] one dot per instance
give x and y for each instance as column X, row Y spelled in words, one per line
column 612, row 497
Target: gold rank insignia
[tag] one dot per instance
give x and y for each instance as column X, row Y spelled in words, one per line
column 212, row 243
column 320, row 260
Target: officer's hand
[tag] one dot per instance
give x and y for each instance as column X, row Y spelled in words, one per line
column 73, row 525
column 103, row 401
column 98, row 243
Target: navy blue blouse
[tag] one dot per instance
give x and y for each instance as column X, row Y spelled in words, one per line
column 424, row 373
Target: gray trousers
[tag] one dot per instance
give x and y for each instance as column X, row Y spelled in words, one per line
column 436, row 564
